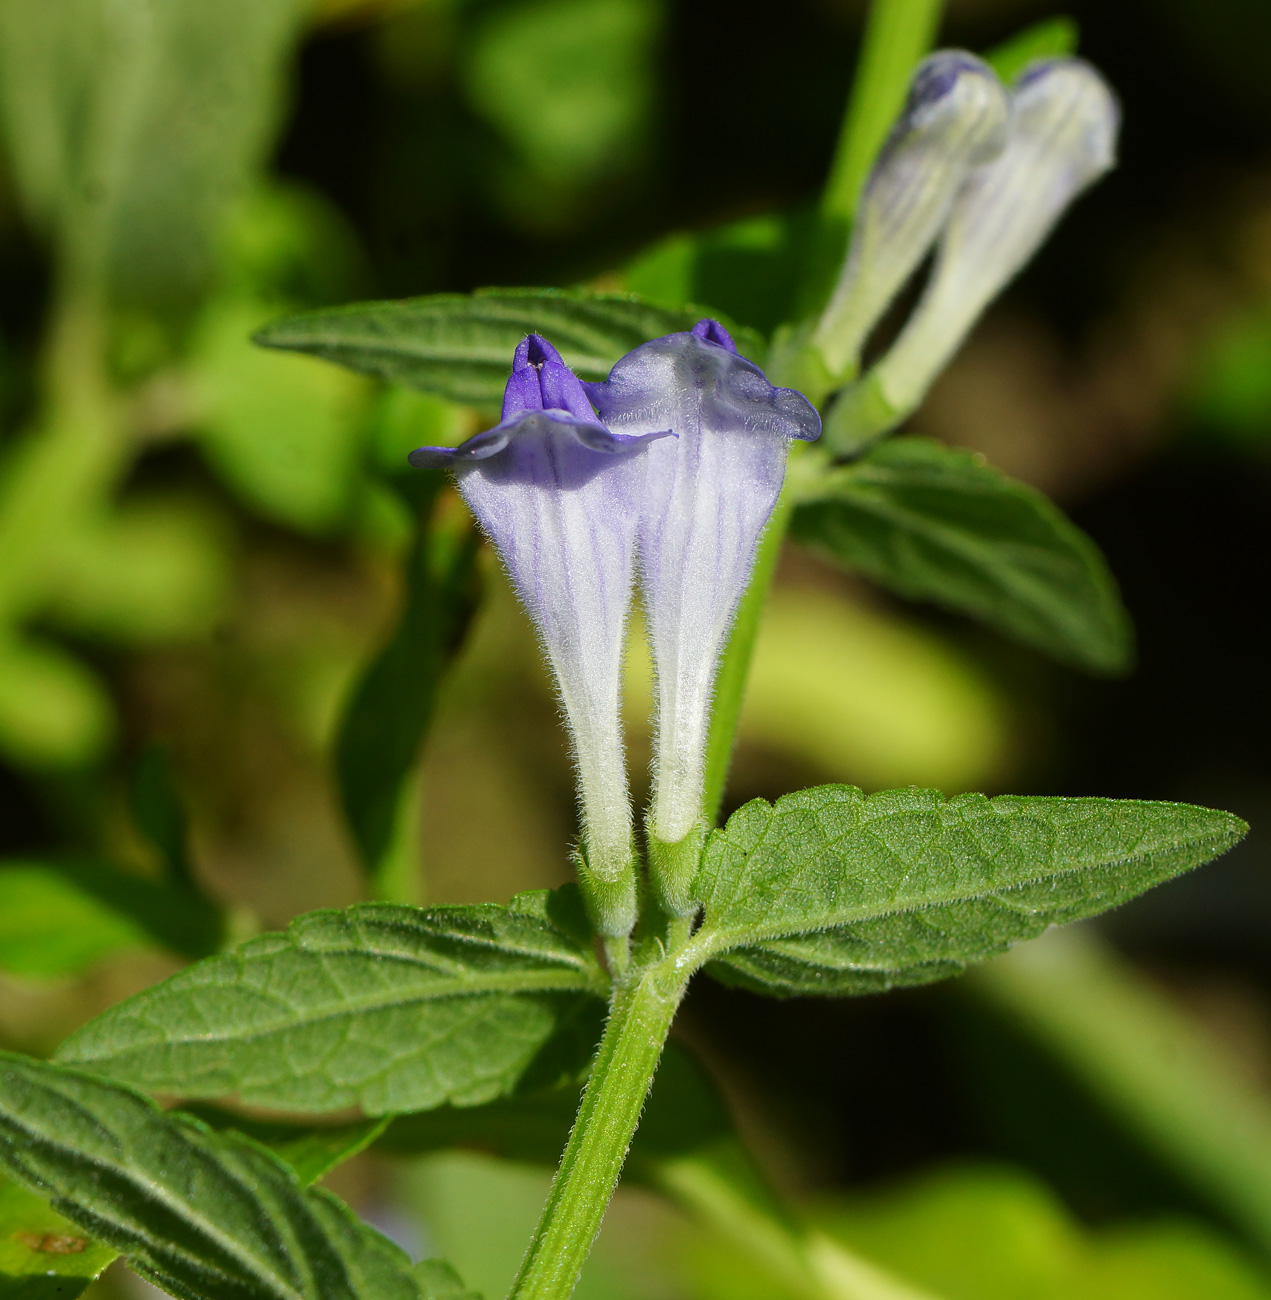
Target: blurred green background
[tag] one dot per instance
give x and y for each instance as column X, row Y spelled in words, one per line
column 200, row 552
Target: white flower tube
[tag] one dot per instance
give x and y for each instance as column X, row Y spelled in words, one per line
column 560, row 496
column 710, row 491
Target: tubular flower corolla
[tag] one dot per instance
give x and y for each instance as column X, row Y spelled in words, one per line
column 954, row 119
column 560, row 496
column 709, row 491
column 1061, row 139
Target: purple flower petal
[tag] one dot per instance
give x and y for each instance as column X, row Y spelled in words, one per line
column 559, row 495
column 708, row 495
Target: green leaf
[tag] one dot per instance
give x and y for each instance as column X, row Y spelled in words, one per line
column 205, row 1216
column 571, row 87
column 158, row 812
column 42, row 1255
column 935, row 523
column 1157, row 1070
column 461, row 345
column 831, row 891
column 388, row 715
column 50, row 928
column 133, row 127
column 748, row 268
column 61, row 917
column 311, row 1150
column 384, row 1006
column 1048, row 39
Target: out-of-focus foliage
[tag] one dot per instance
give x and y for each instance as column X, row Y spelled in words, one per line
column 133, row 126
column 569, row 85
column 994, row 1234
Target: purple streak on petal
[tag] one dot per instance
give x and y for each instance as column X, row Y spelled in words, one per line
column 709, row 494
column 713, row 332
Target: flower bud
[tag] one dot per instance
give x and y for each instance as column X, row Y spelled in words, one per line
column 1063, row 131
column 955, row 119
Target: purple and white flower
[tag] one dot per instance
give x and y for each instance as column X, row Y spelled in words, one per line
column 707, row 496
column 560, row 496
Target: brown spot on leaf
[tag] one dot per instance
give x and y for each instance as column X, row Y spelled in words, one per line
column 50, row 1243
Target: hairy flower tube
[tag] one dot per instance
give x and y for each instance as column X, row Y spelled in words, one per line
column 560, row 497
column 954, row 119
column 709, row 493
column 1062, row 137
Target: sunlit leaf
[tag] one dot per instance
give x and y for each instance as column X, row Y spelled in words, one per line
column 934, row 523
column 50, row 927
column 42, row 1255
column 832, row 892
column 133, row 127
column 384, row 1006
column 1048, row 39
column 461, row 345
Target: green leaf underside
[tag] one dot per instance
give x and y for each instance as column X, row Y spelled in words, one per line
column 42, row 1255
column 384, row 1006
column 311, row 1150
column 935, row 523
column 461, row 345
column 205, row 1216
column 833, row 892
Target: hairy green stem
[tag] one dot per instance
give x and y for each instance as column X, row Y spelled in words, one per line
column 639, row 1021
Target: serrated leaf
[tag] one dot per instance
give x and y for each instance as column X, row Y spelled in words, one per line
column 935, row 523
column 831, row 891
column 461, row 345
column 392, row 705
column 42, row 1255
column 383, row 1006
column 205, row 1216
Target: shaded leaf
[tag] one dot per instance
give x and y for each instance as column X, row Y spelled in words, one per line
column 42, row 1255
column 383, row 1006
column 205, row 1216
column 461, row 345
column 158, row 812
column 391, row 707
column 831, row 891
column 1150, row 1065
column 311, row 1150
column 934, row 523
column 62, row 916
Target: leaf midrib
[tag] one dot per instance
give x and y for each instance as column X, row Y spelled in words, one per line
column 518, row 982
column 183, row 1210
column 715, row 942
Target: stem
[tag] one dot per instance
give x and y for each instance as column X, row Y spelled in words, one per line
column 897, row 34
column 639, row 1021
